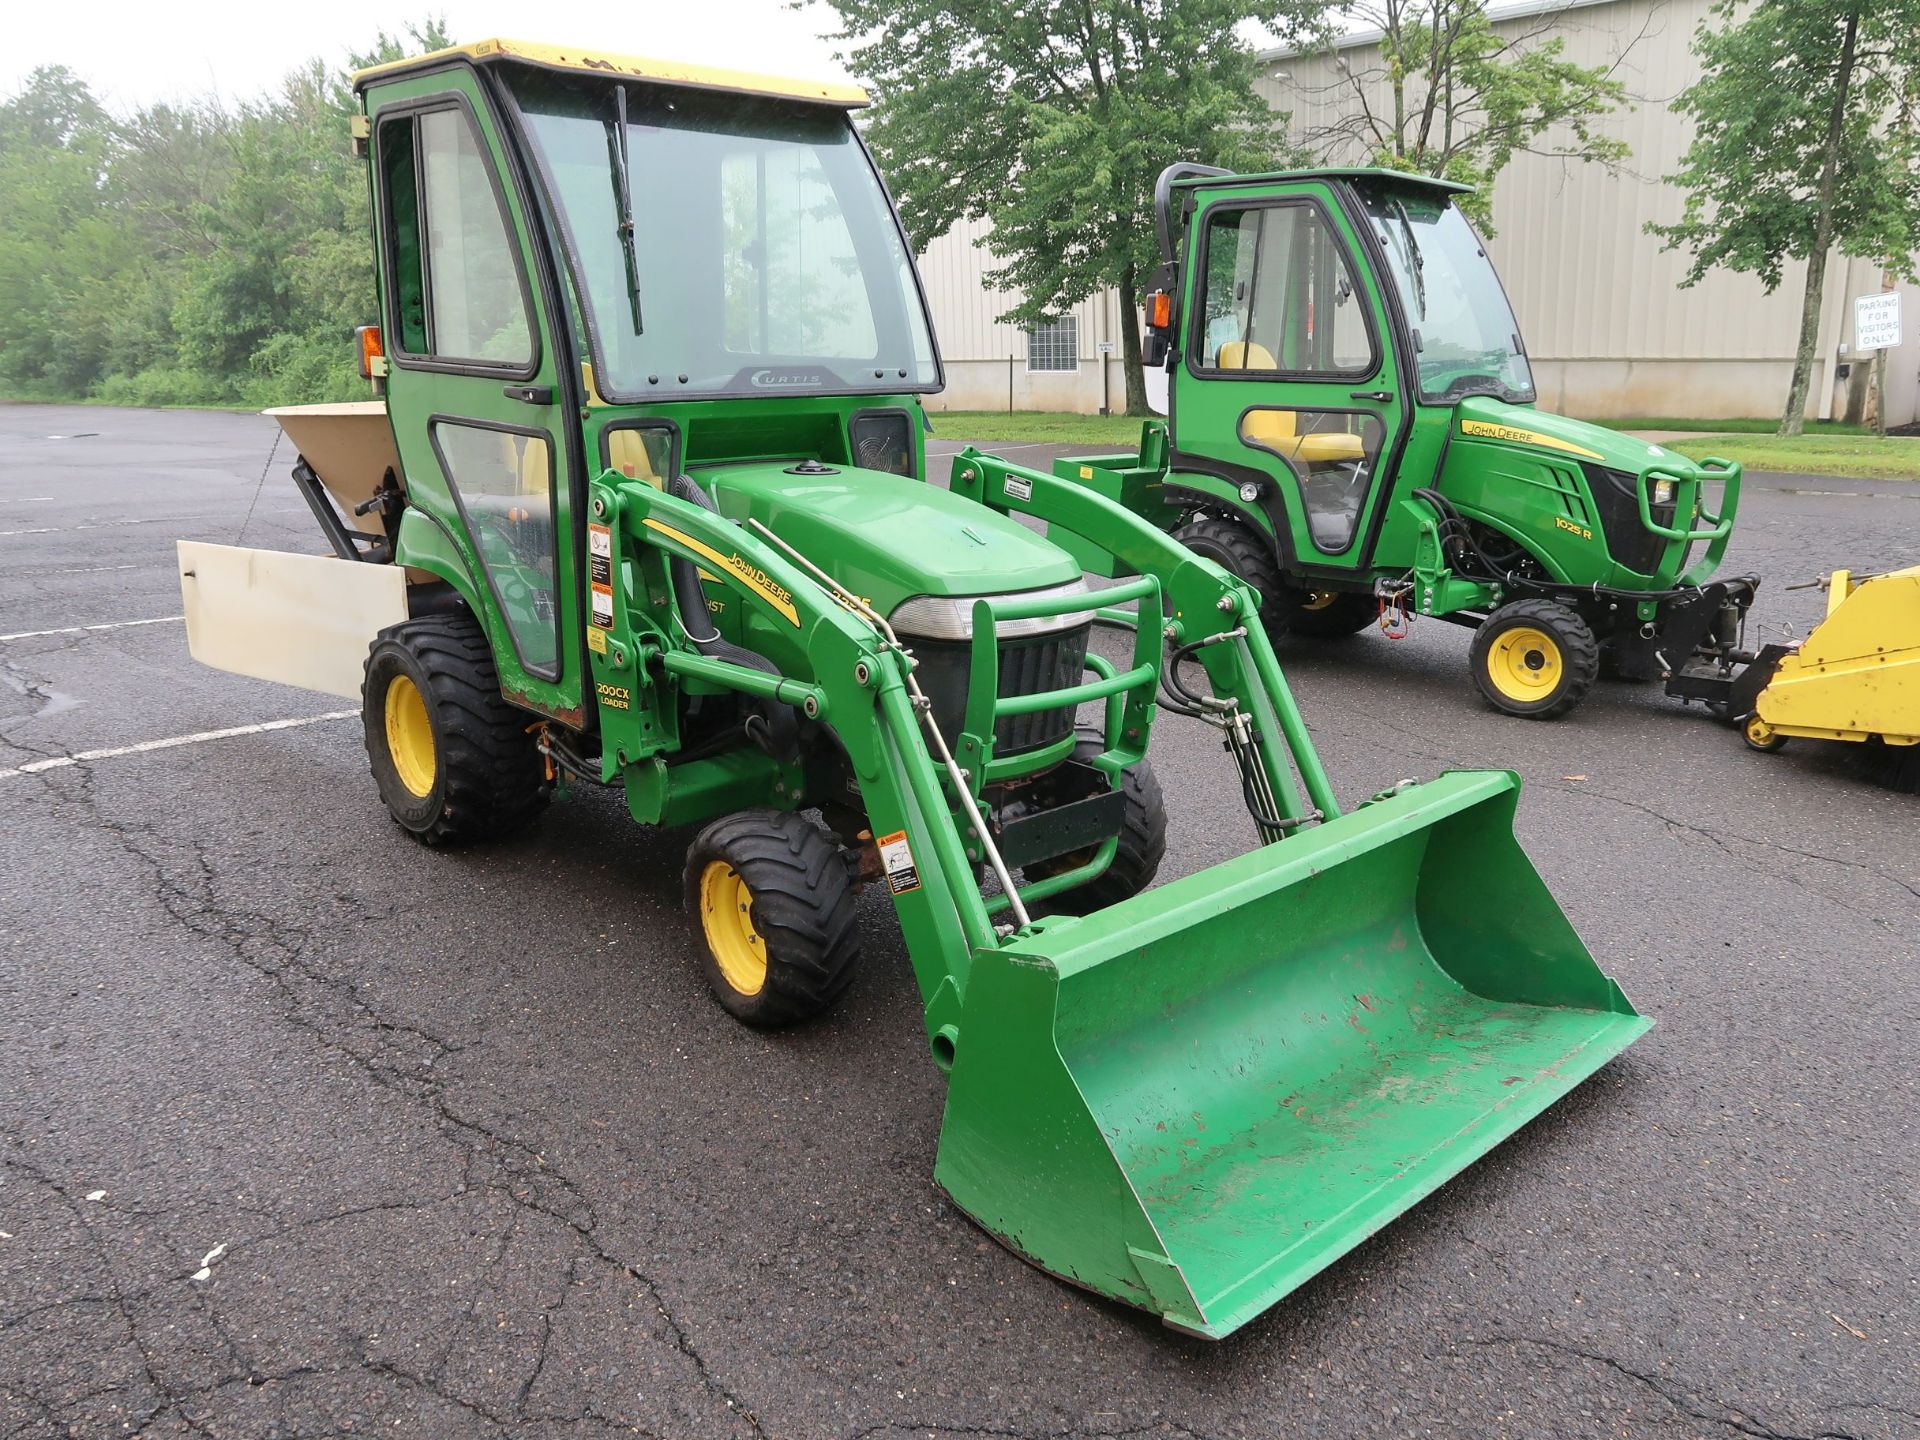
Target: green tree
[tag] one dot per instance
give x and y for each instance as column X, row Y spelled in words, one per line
column 187, row 253
column 60, row 253
column 1051, row 120
column 1806, row 138
column 1447, row 93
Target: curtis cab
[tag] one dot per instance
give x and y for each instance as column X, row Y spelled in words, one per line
column 644, row 507
column 1351, row 430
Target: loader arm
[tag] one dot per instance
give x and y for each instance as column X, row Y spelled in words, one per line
column 1201, row 600
column 848, row 678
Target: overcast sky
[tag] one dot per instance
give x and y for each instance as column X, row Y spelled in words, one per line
column 134, row 54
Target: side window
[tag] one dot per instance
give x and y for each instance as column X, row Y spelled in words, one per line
column 457, row 291
column 503, row 482
column 1279, row 296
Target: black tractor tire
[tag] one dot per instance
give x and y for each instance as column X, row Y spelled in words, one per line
column 1245, row 555
column 454, row 761
column 1136, row 860
column 771, row 899
column 1328, row 614
column 1534, row 658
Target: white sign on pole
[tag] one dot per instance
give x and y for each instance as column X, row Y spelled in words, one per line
column 1105, row 347
column 1876, row 321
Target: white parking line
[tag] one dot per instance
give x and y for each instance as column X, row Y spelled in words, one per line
column 83, row 629
column 92, row 525
column 61, row 762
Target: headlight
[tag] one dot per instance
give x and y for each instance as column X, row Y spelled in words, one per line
column 1663, row 492
column 882, row 440
column 1250, row 491
column 950, row 617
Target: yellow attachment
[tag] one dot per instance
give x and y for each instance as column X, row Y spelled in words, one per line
column 726, row 917
column 1857, row 676
column 625, row 67
column 1525, row 664
column 410, row 736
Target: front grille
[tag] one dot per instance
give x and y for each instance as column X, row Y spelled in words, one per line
column 1028, row 666
column 1616, row 496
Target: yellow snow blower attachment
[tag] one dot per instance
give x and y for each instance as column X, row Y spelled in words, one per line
column 1855, row 678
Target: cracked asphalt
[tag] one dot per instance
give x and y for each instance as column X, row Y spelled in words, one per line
column 307, row 1131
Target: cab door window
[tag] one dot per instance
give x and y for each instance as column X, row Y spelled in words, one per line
column 455, row 280
column 1279, row 297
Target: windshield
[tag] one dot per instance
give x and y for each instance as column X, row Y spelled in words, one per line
column 1464, row 332
column 727, row 244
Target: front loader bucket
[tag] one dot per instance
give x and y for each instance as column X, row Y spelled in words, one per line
column 1196, row 1099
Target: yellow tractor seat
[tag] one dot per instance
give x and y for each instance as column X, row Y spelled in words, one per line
column 1279, row 430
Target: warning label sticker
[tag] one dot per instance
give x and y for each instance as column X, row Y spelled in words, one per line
column 1018, row 489
column 896, row 858
column 596, row 640
column 600, row 574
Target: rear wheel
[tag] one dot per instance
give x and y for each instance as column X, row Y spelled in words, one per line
column 772, row 907
column 1284, row 609
column 1136, row 859
column 1244, row 555
column 1535, row 659
column 1328, row 614
column 454, row 762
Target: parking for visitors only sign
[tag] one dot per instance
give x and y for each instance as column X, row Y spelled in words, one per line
column 1876, row 321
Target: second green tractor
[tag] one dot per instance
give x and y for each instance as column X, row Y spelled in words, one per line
column 1351, row 430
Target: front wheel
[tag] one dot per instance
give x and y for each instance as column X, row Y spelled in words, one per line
column 1535, row 659
column 1137, row 855
column 772, row 905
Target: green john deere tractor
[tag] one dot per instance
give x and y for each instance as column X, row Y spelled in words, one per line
column 1351, row 430
column 643, row 507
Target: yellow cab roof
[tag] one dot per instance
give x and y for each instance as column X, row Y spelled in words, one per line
column 595, row 62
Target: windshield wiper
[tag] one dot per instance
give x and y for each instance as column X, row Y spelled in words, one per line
column 1413, row 252
column 618, row 159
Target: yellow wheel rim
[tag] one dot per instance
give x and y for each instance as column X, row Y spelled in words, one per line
column 1760, row 735
column 726, row 916
column 1525, row 664
column 1320, row 599
column 410, row 736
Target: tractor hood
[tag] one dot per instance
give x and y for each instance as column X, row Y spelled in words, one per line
column 887, row 537
column 1482, row 417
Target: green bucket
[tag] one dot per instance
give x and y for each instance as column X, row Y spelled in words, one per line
column 1196, row 1099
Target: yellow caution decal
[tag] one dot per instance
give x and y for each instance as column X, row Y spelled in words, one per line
column 1514, row 435
column 755, row 579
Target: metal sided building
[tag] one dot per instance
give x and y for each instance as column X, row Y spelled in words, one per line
column 1609, row 329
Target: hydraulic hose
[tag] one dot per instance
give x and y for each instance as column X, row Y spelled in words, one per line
column 1455, row 528
column 774, row 727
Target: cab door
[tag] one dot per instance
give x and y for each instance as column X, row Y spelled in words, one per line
column 474, row 383
column 1289, row 385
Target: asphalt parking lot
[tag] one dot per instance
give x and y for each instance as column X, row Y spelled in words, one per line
column 305, row 1130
